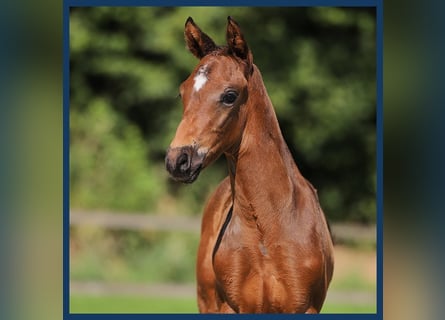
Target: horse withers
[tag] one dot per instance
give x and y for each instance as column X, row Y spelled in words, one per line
column 265, row 244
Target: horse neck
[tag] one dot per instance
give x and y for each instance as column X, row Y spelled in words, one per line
column 263, row 175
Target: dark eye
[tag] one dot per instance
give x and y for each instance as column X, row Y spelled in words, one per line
column 229, row 97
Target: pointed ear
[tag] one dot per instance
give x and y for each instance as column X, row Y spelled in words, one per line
column 197, row 41
column 237, row 44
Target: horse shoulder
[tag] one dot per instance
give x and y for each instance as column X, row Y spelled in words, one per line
column 212, row 220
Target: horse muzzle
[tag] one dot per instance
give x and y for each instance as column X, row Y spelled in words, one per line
column 184, row 163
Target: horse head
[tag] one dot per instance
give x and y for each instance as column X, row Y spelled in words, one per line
column 214, row 98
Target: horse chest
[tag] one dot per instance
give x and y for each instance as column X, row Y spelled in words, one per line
column 249, row 275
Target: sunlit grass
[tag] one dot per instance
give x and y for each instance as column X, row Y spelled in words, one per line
column 128, row 304
column 353, row 281
column 348, row 308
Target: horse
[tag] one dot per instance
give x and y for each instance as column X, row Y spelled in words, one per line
column 265, row 243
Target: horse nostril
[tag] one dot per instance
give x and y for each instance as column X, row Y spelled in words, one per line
column 183, row 162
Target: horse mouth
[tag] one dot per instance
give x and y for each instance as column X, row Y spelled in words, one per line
column 189, row 177
column 184, row 163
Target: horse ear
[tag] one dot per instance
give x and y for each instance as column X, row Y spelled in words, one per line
column 237, row 44
column 197, row 41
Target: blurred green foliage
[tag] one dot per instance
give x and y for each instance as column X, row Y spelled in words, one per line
column 109, row 167
column 129, row 256
column 126, row 64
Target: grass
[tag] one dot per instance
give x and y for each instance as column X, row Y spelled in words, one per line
column 128, row 304
column 348, row 308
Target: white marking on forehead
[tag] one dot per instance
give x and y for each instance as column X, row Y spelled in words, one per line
column 200, row 78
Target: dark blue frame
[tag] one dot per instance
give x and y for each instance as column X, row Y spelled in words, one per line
column 378, row 4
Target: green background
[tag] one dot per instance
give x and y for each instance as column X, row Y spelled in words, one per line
column 126, row 64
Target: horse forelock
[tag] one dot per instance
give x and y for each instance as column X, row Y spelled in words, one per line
column 225, row 51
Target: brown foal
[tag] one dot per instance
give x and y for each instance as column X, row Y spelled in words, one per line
column 265, row 244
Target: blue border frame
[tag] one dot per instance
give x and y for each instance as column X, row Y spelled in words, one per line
column 379, row 115
column 66, row 159
column 228, row 3
column 378, row 4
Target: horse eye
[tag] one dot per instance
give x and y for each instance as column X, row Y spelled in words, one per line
column 229, row 97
